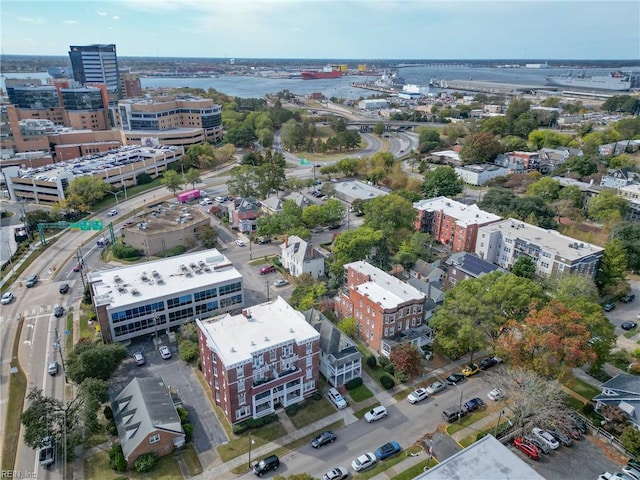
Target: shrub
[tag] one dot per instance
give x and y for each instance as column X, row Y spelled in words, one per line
column 143, row 178
column 372, row 362
column 116, row 459
column 183, row 413
column 177, row 250
column 389, row 368
column 108, row 413
column 292, row 409
column 634, row 368
column 316, row 396
column 188, row 351
column 383, row 361
column 354, row 383
column 239, row 428
column 111, row 428
column 125, row 252
column 387, row 382
column 402, row 377
column 188, row 431
column 588, row 409
column 145, row 463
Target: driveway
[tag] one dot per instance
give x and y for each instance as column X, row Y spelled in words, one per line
column 207, row 431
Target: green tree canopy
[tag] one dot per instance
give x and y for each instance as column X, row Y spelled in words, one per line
column 88, row 189
column 192, row 176
column 354, row 245
column 480, row 147
column 613, row 265
column 524, row 267
column 546, row 188
column 442, row 181
column 392, row 214
column 94, row 360
column 607, row 206
column 172, row 180
column 629, row 236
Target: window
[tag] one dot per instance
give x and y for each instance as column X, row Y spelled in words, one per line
column 544, row 264
column 287, row 350
column 206, row 294
column 179, row 301
column 309, row 348
column 207, row 307
column 272, row 355
column 240, row 372
column 181, row 314
column 309, row 373
column 242, row 398
column 243, row 411
column 227, row 289
column 241, row 385
column 229, row 301
column 309, row 361
column 154, row 438
column 258, row 361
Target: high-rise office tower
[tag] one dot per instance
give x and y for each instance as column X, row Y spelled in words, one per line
column 97, row 64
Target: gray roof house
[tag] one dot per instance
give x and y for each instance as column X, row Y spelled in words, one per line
column 622, row 391
column 299, row 256
column 146, row 419
column 463, row 265
column 340, row 360
column 619, row 177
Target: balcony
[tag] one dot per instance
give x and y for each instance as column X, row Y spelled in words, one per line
column 275, row 375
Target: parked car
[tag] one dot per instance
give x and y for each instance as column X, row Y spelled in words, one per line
column 546, row 437
column 453, row 413
column 417, row 395
column 474, row 404
column 7, row 298
column 470, row 370
column 46, row 453
column 376, row 413
column 337, row 473
column 219, row 199
column 336, row 398
column 568, row 428
column 272, row 462
column 436, row 387
column 542, row 446
column 128, row 224
column 58, row 311
column 139, row 359
column 165, row 353
column 609, row 306
column 64, row 288
column 631, row 471
column 629, row 297
column 364, row 461
column 630, row 325
column 560, row 436
column 488, row 362
column 577, row 421
column 387, row 450
column 112, row 213
column 496, row 394
column 77, row 267
column 206, row 201
column 263, row 240
column 455, row 378
column 53, row 368
column 280, row 282
column 527, row 448
column 267, row 269
column 324, row 438
column 240, row 243
column 31, row 281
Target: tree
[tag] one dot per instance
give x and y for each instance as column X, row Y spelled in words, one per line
column 348, row 327
column 582, row 165
column 546, row 188
column 480, row 147
column 549, row 340
column 270, row 178
column 630, row 439
column 442, row 181
column 498, row 200
column 192, row 176
column 613, row 265
column 379, row 128
column 172, row 180
column 94, row 393
column 225, row 153
column 94, row 360
column 392, row 214
column 616, row 419
column 629, row 236
column 524, row 267
column 207, row 235
column 242, row 181
column 354, row 245
column 428, row 140
column 307, row 293
column 607, row 206
column 495, row 126
column 88, row 189
column 405, row 358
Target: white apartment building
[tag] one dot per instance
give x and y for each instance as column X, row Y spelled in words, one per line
column 155, row 296
column 554, row 254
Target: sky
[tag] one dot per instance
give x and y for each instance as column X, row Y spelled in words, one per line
column 328, row 29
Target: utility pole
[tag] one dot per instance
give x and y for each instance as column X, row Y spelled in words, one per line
column 460, row 409
column 495, row 434
column 58, row 346
column 267, row 290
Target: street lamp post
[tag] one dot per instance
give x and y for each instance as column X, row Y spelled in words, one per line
column 250, row 443
column 115, row 194
column 498, row 424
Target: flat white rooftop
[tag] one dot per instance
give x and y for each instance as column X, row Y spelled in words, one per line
column 358, row 189
column 236, row 338
column 383, row 288
column 170, row 276
column 549, row 240
column 465, row 215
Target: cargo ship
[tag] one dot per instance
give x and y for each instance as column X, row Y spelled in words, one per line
column 616, row 81
column 326, row 72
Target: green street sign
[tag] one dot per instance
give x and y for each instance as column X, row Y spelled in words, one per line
column 85, row 225
column 96, row 225
column 304, row 161
column 74, row 225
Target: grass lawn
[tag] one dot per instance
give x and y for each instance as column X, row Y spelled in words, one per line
column 360, row 393
column 582, row 388
column 314, row 411
column 631, row 333
column 240, row 444
column 403, row 394
column 261, row 261
column 96, row 467
column 109, row 199
column 191, row 460
column 574, row 403
column 466, row 421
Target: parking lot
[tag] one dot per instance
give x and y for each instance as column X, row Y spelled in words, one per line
column 207, row 431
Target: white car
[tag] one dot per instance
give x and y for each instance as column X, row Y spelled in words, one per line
column 495, row 394
column 436, row 387
column 376, row 413
column 545, row 437
column 417, row 395
column 112, row 213
column 165, row 352
column 7, row 298
column 240, row 243
column 337, row 473
column 364, row 461
column 206, row 201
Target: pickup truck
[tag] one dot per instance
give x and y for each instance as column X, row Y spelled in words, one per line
column 46, row 454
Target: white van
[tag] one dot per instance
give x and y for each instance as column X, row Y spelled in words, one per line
column 337, row 399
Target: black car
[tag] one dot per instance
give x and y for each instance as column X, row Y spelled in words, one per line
column 272, row 462
column 474, row 404
column 488, row 363
column 323, row 439
column 628, row 298
column 59, row 311
column 64, row 288
column 629, row 325
column 264, row 240
column 455, row 378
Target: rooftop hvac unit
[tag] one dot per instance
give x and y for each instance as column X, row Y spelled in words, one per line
column 117, row 279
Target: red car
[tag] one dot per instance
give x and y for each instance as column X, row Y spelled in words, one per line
column 267, row 269
column 527, row 448
column 77, row 267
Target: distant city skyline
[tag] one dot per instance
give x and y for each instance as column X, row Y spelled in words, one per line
column 350, row 29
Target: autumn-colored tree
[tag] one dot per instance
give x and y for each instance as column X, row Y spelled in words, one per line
column 480, row 148
column 617, row 420
column 405, row 358
column 549, row 340
column 348, row 327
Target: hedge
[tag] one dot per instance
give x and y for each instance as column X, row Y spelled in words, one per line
column 387, row 382
column 145, row 463
column 252, row 423
column 353, row 383
column 372, row 362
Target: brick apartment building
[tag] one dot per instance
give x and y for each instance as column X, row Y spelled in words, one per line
column 452, row 223
column 265, row 357
column 382, row 305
